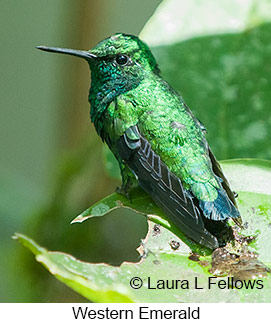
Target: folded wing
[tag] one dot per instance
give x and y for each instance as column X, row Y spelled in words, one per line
column 164, row 187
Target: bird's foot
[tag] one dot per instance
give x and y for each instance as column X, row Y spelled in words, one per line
column 126, row 188
column 124, row 192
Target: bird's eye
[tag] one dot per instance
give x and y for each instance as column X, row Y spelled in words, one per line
column 122, row 59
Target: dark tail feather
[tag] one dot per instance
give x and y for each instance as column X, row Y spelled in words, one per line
column 219, row 173
column 220, row 209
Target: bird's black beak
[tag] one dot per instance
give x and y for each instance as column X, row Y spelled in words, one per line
column 79, row 53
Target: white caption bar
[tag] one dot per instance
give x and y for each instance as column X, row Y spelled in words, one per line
column 162, row 312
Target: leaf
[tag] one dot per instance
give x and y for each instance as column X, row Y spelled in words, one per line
column 141, row 203
column 186, row 19
column 105, row 283
column 95, row 282
column 165, row 254
column 249, row 175
column 222, row 69
column 252, row 180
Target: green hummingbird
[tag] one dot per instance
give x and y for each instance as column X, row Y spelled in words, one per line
column 157, row 141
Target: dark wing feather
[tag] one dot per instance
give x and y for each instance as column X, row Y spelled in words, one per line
column 164, row 187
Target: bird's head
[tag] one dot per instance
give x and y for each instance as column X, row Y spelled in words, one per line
column 120, row 60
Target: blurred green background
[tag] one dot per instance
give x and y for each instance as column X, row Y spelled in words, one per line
column 52, row 161
column 51, row 167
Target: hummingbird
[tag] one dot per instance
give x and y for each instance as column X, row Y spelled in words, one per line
column 158, row 142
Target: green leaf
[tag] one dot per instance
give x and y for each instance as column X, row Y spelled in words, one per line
column 249, row 175
column 141, row 203
column 165, row 254
column 105, row 283
column 95, row 282
column 186, row 19
column 252, row 180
